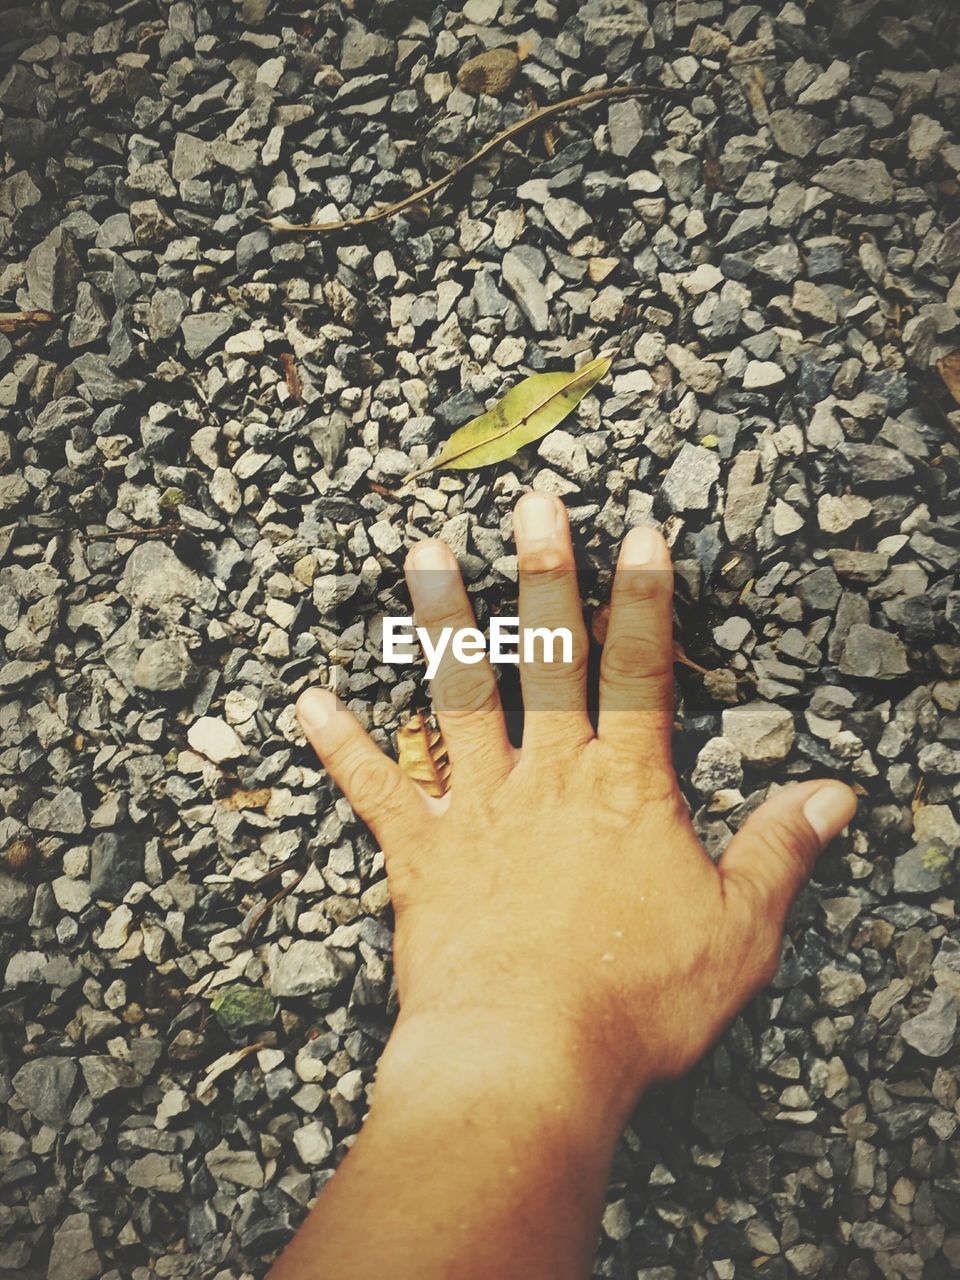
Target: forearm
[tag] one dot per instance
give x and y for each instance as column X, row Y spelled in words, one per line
column 485, row 1156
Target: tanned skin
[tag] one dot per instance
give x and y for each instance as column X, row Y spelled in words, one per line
column 562, row 939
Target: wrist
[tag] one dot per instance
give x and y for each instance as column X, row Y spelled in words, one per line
column 539, row 1068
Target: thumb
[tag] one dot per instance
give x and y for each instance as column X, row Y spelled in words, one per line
column 771, row 858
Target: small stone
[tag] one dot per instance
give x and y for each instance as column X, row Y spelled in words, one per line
column 238, row 1006
column 932, row 1032
column 156, row 1172
column 314, row 1143
column 45, row 1086
column 785, row 519
column 762, row 732
column 875, row 463
column 362, row 49
column 796, row 133
column 191, row 157
column 718, row 766
column 722, row 1116
column 53, row 272
column 805, row 1259
column 526, row 287
column 74, row 1254
column 873, row 654
column 215, row 739
column 89, row 321
column 627, row 125
column 202, row 330
column 16, row 898
column 163, row 667
column 732, row 633
column 839, row 988
column 837, row 514
column 240, row 1167
column 810, row 300
column 866, row 182
column 304, row 969
column 104, row 1075
column 827, row 86
column 165, row 314
column 692, row 475
column 116, row 864
column 762, row 373
column 699, row 375
column 566, row 216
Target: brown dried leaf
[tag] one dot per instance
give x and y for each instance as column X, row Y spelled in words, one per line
column 492, row 72
column 949, row 368
column 19, row 854
column 599, row 623
column 422, row 755
column 258, row 798
column 292, row 377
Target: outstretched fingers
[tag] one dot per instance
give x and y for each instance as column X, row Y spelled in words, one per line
column 553, row 671
column 463, row 688
column 636, row 667
column 385, row 798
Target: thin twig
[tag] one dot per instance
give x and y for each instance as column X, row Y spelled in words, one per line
column 519, row 126
column 159, row 531
column 13, row 320
column 271, row 902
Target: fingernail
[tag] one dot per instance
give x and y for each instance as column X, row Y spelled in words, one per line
column 431, row 555
column 537, row 517
column 640, row 547
column 315, row 707
column 830, row 809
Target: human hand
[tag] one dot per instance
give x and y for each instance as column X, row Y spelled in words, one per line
column 559, row 894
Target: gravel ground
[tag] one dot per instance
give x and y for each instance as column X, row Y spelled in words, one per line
column 198, row 445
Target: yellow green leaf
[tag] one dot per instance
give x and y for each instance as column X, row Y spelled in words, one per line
column 526, row 413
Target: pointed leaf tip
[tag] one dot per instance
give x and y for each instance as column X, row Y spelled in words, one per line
column 525, row 414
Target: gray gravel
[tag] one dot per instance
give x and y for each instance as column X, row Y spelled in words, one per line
column 194, row 455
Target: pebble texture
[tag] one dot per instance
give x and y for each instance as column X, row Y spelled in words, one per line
column 193, row 455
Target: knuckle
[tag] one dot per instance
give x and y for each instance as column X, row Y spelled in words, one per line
column 640, row 587
column 636, row 670
column 575, row 669
column 465, row 691
column 446, row 613
column 784, row 842
column 371, row 785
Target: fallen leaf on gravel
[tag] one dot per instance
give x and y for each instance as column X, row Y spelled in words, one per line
column 492, row 72
column 949, row 368
column 528, row 411
column 258, row 798
column 222, row 1065
column 423, row 755
column 292, row 377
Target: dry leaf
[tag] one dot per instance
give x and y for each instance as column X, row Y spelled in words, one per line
column 600, row 622
column 223, row 1064
column 292, row 377
column 492, row 72
column 258, row 798
column 528, row 411
column 423, row 755
column 949, row 368
column 19, row 854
